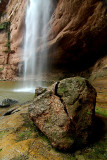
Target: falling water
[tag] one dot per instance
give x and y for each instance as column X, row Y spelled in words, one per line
column 37, row 16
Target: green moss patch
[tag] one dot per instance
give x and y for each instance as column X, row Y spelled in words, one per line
column 7, row 44
column 97, row 151
column 24, row 135
column 3, row 26
column 30, row 131
column 1, row 69
column 6, row 27
column 3, row 133
column 101, row 111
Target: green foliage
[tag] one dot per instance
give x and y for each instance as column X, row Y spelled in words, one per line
column 4, row 25
column 1, row 69
column 0, row 149
column 101, row 111
column 7, row 44
column 89, row 113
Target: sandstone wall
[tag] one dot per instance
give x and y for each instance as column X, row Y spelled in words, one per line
column 78, row 31
column 14, row 13
column 3, row 55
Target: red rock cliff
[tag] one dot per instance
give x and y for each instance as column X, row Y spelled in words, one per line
column 14, row 13
column 77, row 37
column 79, row 32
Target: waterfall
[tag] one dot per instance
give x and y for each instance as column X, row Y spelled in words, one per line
column 36, row 34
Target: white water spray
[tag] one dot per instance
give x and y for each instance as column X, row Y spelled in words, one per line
column 37, row 16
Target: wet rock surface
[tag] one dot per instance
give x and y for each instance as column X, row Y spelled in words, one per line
column 8, row 102
column 65, row 112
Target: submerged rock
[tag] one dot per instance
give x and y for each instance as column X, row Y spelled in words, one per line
column 65, row 112
column 8, row 102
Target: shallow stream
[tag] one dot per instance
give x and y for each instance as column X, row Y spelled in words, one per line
column 12, row 90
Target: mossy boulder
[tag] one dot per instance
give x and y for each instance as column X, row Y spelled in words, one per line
column 65, row 112
column 79, row 98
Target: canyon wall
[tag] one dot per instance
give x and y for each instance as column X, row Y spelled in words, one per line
column 77, row 38
column 79, row 32
column 13, row 14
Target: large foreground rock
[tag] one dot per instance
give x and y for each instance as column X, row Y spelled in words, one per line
column 65, row 112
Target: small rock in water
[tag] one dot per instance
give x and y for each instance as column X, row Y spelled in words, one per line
column 8, row 102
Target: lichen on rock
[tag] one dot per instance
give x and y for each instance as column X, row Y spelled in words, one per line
column 65, row 112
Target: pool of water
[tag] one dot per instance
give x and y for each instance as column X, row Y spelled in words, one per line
column 14, row 90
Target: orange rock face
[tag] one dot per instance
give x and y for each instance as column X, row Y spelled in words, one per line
column 15, row 13
column 78, row 31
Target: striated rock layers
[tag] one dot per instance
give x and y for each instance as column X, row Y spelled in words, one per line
column 65, row 112
column 78, row 31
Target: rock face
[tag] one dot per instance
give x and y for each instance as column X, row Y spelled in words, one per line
column 3, row 4
column 65, row 112
column 14, row 14
column 99, row 69
column 78, row 31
